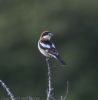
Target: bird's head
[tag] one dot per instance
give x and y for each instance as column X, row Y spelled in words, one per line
column 46, row 35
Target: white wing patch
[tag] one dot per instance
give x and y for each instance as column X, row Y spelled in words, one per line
column 53, row 45
column 45, row 45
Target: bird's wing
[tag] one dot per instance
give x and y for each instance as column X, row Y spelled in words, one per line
column 53, row 51
column 44, row 46
column 49, row 47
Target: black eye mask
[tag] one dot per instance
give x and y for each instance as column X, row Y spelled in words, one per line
column 45, row 33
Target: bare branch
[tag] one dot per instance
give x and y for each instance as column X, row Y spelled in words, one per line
column 50, row 89
column 7, row 90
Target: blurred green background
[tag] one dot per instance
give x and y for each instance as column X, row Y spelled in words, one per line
column 75, row 27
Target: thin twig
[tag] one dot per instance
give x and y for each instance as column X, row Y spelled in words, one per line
column 49, row 92
column 7, row 90
column 66, row 95
column 61, row 97
column 66, row 91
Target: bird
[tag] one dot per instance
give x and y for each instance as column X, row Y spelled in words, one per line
column 47, row 47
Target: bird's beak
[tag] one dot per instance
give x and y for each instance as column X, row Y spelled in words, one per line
column 51, row 34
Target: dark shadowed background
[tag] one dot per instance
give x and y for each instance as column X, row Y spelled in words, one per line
column 75, row 27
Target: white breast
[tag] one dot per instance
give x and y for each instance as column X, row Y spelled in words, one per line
column 44, row 52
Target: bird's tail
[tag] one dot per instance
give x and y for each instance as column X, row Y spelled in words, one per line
column 60, row 60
